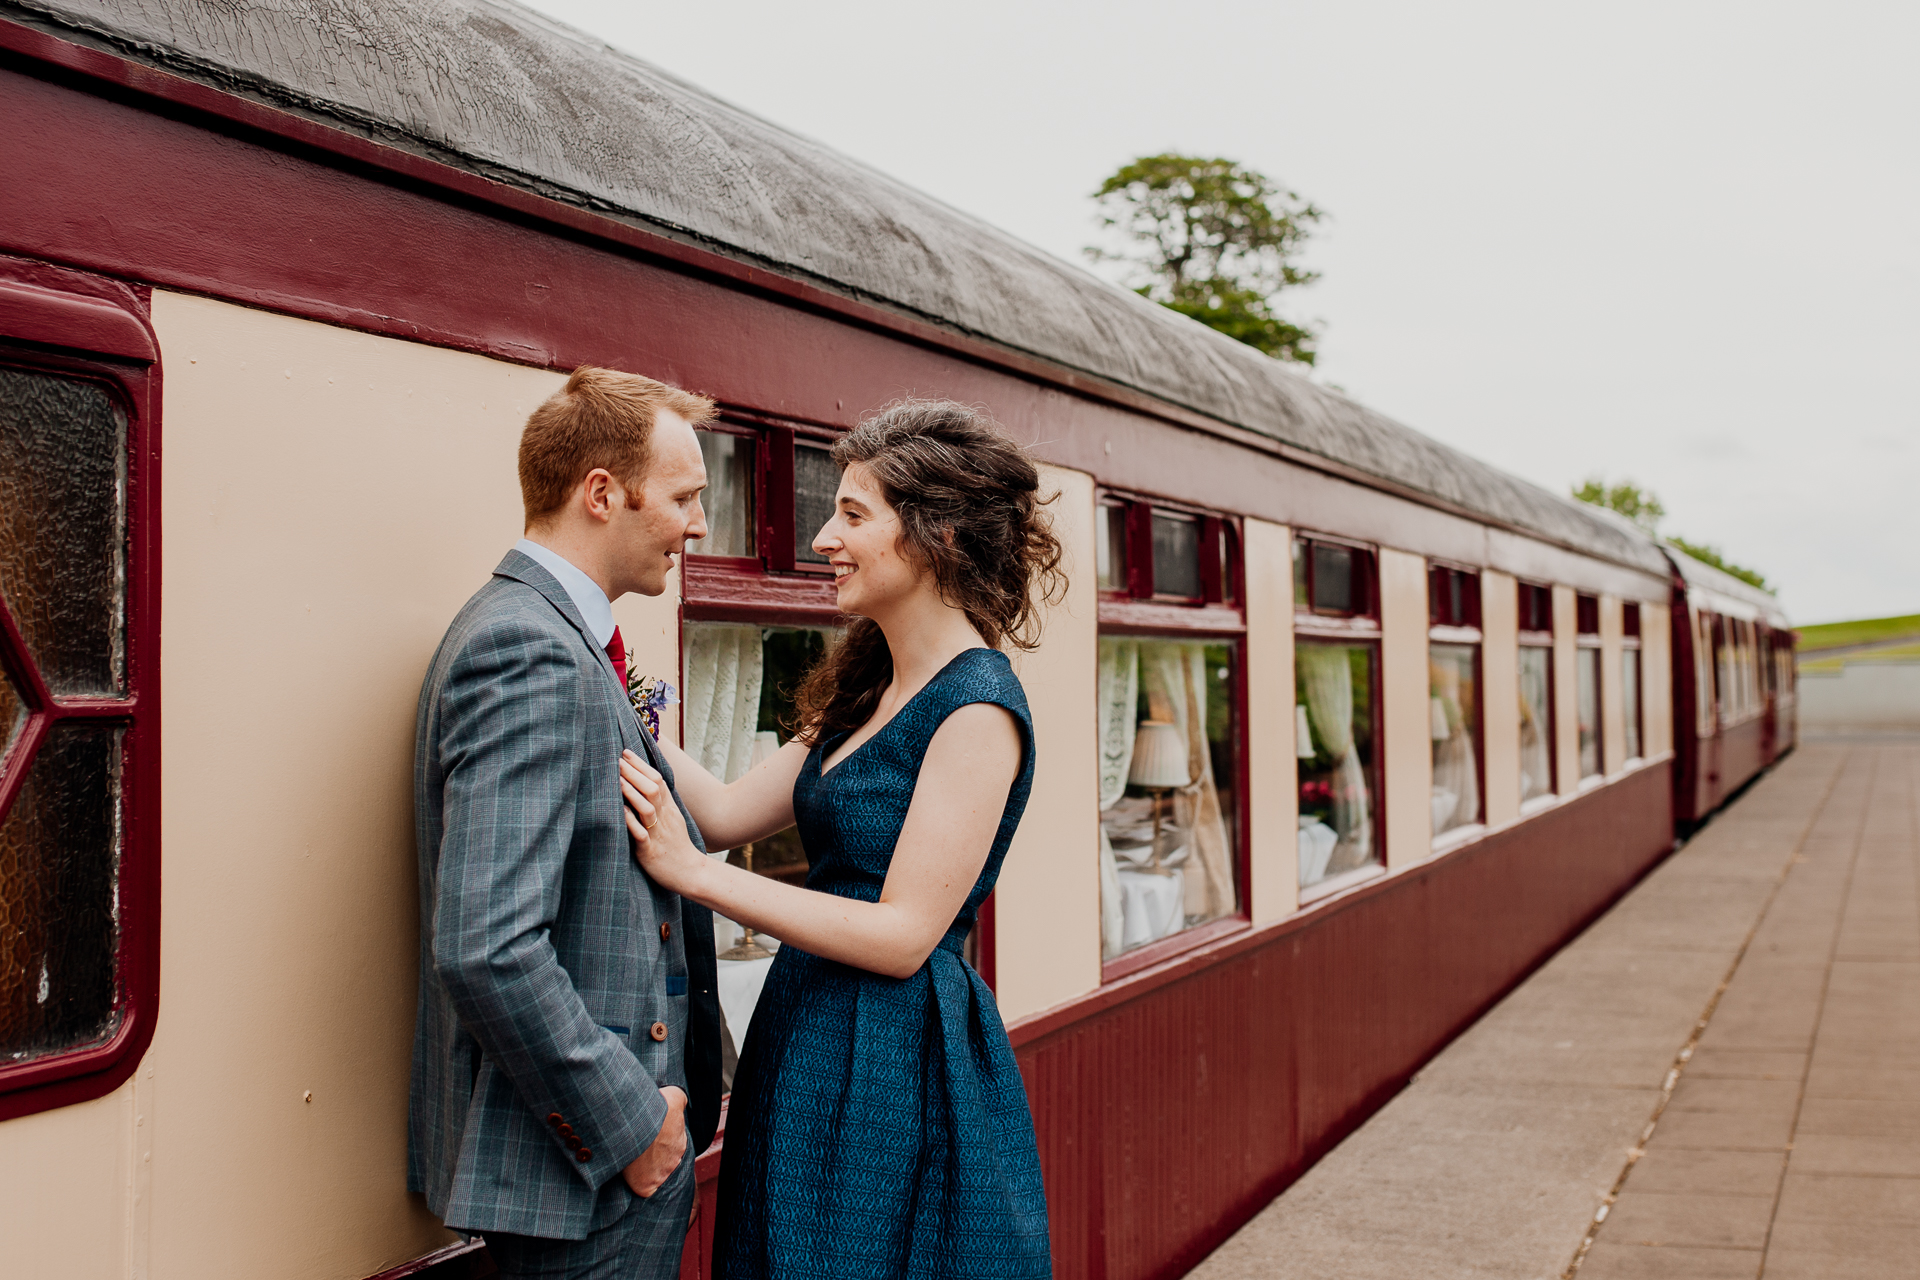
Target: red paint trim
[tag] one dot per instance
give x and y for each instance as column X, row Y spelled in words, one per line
column 1139, row 616
column 49, row 320
column 725, row 590
column 1176, row 944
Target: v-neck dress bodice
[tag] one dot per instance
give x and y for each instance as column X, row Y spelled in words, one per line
column 879, row 1126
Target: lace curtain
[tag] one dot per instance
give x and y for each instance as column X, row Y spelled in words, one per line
column 1119, row 690
column 1326, row 680
column 721, row 704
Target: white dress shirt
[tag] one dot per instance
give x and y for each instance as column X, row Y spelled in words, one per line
column 595, row 610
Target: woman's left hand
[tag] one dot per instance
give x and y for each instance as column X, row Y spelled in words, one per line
column 660, row 841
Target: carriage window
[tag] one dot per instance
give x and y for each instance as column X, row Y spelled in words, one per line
column 730, row 461
column 1536, row 610
column 63, row 589
column 737, row 709
column 816, row 481
column 1587, row 706
column 1169, row 768
column 1536, row 721
column 1630, row 694
column 1332, row 579
column 1454, row 714
column 1630, row 678
column 1335, row 725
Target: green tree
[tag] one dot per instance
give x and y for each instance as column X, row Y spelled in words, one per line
column 1711, row 555
column 1645, row 509
column 1627, row 499
column 1215, row 241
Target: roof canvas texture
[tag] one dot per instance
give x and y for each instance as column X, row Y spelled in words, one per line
column 501, row 90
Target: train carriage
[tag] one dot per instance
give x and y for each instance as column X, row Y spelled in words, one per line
column 1340, row 731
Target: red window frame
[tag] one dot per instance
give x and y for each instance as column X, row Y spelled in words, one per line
column 1535, row 613
column 79, row 325
column 1217, row 615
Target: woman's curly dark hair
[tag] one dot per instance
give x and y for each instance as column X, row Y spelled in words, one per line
column 970, row 510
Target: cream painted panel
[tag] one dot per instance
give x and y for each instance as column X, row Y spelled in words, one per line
column 331, row 499
column 1047, row 906
column 66, row 1190
column 1613, row 698
column 1656, row 677
column 1500, row 694
column 1566, row 693
column 1273, row 799
column 1405, row 707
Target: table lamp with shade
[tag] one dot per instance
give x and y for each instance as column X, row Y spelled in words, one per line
column 1159, row 767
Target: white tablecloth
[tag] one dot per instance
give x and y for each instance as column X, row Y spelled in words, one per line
column 740, row 984
column 1151, row 906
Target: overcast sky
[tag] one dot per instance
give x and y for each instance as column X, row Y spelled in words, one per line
column 1677, row 243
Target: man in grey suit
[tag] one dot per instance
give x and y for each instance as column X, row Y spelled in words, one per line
column 567, row 1051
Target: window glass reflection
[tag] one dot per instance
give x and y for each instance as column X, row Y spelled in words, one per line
column 1168, row 767
column 1110, row 546
column 1333, row 730
column 1453, row 712
column 1333, row 579
column 1587, row 703
column 1536, row 722
column 729, row 497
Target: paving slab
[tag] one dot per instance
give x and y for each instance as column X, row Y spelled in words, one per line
column 1785, row 1138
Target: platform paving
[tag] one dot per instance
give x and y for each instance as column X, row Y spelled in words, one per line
column 1719, row 1078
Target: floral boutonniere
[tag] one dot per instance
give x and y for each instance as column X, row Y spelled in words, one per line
column 648, row 694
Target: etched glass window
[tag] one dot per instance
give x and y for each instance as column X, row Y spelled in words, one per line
column 816, row 481
column 1176, row 555
column 63, row 496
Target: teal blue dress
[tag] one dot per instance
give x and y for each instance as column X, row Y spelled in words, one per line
column 878, row 1126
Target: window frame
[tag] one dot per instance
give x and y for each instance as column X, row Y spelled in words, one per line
column 1218, row 616
column 68, row 323
column 1308, row 894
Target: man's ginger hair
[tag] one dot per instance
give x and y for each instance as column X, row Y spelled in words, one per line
column 601, row 418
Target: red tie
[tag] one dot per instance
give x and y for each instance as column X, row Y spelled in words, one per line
column 617, row 654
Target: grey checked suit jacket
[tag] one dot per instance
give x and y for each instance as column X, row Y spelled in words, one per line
column 543, row 962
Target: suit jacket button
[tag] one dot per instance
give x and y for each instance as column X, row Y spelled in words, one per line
column 658, row 1031
column 584, row 1155
column 566, row 1131
column 666, row 931
column 553, row 1118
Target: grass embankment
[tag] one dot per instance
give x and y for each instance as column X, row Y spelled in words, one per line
column 1835, row 635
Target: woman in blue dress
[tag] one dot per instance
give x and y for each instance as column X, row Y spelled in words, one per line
column 878, row 1125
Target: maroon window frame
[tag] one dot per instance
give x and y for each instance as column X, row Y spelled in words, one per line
column 76, row 325
column 1453, row 618
column 1217, row 615
column 1453, row 596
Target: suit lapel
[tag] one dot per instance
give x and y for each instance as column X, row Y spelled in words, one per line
column 524, row 568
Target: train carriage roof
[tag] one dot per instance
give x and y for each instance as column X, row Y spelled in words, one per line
column 506, row 92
